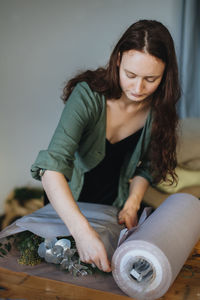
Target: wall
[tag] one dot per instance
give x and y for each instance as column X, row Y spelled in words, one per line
column 43, row 43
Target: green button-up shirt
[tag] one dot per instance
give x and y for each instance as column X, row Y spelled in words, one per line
column 79, row 141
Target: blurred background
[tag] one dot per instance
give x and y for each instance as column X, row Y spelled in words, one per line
column 43, row 43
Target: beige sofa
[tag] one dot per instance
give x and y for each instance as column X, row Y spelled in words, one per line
column 188, row 169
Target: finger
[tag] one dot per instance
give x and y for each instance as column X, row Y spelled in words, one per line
column 121, row 221
column 97, row 263
column 120, row 214
column 85, row 260
column 102, row 262
column 135, row 221
column 104, row 265
column 129, row 222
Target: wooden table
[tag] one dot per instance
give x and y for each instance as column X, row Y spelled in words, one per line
column 22, row 286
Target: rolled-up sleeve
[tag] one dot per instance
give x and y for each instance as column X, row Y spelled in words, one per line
column 74, row 120
column 143, row 170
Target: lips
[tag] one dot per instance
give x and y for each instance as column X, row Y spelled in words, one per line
column 136, row 95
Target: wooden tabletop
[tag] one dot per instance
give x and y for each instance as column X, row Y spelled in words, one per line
column 23, row 286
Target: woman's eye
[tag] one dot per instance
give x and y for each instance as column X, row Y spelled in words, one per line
column 130, row 75
column 150, row 79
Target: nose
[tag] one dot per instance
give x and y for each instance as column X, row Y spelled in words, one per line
column 139, row 85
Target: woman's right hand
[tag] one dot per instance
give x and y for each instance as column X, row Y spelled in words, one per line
column 89, row 245
column 91, row 249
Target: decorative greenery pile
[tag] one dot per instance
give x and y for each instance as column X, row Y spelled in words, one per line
column 27, row 243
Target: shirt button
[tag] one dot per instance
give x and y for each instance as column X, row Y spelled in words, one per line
column 41, row 172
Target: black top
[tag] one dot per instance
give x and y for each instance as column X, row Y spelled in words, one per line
column 101, row 183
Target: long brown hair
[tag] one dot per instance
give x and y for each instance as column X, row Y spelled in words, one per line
column 154, row 38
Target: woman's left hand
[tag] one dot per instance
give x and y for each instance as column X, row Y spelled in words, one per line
column 128, row 216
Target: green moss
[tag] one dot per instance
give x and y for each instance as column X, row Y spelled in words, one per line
column 29, row 257
column 27, row 243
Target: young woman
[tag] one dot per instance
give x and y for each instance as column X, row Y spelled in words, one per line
column 116, row 135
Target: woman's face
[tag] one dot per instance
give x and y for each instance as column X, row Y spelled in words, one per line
column 140, row 74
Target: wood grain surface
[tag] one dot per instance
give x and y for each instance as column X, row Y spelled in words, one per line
column 18, row 285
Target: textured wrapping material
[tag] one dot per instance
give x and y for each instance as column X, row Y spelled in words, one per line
column 164, row 240
column 46, row 223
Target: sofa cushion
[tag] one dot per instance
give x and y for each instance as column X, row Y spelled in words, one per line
column 188, row 149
